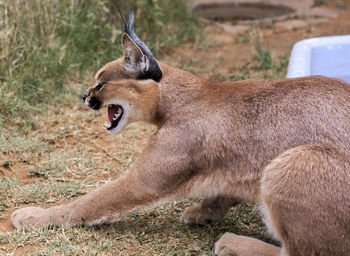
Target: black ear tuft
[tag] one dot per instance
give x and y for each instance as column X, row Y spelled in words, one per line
column 153, row 70
column 125, row 24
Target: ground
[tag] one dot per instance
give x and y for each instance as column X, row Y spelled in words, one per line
column 69, row 153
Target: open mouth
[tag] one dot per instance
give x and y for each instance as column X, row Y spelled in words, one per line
column 115, row 114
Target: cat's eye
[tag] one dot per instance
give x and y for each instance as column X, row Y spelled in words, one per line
column 99, row 85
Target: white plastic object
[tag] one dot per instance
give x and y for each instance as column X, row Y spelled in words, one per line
column 327, row 56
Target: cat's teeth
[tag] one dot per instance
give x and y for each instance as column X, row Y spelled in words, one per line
column 116, row 116
column 107, row 124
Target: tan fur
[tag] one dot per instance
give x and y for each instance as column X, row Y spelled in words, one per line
column 112, row 71
column 284, row 144
column 141, row 96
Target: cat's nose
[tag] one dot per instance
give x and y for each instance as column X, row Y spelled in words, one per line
column 84, row 97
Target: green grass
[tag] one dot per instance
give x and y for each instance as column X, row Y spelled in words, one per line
column 46, row 44
column 18, row 193
column 319, row 2
column 342, row 4
column 156, row 232
column 247, row 36
column 263, row 56
column 277, row 66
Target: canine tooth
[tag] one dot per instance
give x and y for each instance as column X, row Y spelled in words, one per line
column 107, row 124
column 115, row 116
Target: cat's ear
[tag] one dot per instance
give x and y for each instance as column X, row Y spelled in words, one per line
column 139, row 61
column 135, row 63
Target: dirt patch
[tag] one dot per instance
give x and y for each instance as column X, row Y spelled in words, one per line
column 230, row 49
column 5, row 221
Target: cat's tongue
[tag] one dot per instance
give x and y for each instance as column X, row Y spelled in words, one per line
column 112, row 111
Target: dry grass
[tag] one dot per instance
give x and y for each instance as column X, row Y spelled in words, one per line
column 61, row 161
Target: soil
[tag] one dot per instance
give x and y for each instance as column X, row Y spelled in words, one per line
column 236, row 53
column 222, row 56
